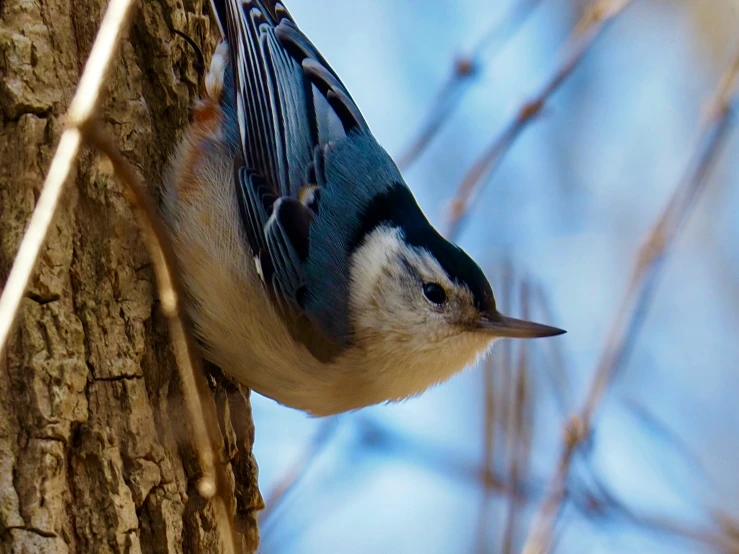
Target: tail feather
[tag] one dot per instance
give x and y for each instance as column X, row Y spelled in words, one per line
column 272, row 9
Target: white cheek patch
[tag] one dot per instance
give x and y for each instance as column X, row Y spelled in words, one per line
column 370, row 260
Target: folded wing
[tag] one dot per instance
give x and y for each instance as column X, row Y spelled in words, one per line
column 289, row 105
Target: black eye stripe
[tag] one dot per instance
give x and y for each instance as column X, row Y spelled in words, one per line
column 433, row 291
column 408, row 266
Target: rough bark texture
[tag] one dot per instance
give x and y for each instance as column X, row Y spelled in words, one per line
column 94, row 455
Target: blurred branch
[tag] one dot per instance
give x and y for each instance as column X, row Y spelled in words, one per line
column 724, row 542
column 321, row 439
column 520, row 431
column 488, row 459
column 556, row 370
column 603, row 502
column 662, row 430
column 463, row 70
column 633, row 307
column 595, row 19
column 592, row 499
column 493, row 372
column 384, row 439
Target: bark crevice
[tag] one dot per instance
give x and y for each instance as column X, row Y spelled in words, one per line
column 94, row 450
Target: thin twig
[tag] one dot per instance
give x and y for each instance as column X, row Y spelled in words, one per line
column 387, row 440
column 491, row 372
column 722, row 542
column 204, row 421
column 606, row 502
column 321, row 439
column 673, row 439
column 587, row 30
column 498, row 389
column 82, row 125
column 488, row 468
column 520, row 433
column 450, row 95
column 84, row 106
column 557, row 367
column 641, row 288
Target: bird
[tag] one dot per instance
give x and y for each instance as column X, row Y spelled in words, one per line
column 311, row 274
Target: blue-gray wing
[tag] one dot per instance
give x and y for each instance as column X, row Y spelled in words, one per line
column 289, row 104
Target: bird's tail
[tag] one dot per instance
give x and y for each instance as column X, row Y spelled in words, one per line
column 272, row 10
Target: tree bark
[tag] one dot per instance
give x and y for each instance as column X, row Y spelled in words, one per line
column 94, row 450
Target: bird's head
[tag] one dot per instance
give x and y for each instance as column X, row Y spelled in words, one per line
column 415, row 295
column 424, row 296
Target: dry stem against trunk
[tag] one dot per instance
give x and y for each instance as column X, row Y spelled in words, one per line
column 94, row 456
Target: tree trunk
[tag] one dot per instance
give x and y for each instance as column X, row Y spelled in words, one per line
column 94, row 455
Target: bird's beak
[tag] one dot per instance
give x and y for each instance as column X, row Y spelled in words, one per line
column 501, row 326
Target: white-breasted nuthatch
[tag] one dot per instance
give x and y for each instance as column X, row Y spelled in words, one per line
column 313, row 277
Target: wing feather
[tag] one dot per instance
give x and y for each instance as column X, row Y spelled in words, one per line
column 290, row 105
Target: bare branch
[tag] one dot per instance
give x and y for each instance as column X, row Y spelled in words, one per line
column 204, row 421
column 83, row 108
column 633, row 307
column 463, row 70
column 82, row 126
column 587, row 30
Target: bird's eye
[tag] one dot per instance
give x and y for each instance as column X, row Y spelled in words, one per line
column 434, row 293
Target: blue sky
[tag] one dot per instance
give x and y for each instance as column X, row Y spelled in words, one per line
column 568, row 209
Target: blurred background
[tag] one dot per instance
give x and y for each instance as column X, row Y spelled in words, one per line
column 557, row 227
